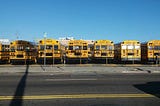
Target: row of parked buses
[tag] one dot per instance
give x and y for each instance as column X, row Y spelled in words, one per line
column 52, row 51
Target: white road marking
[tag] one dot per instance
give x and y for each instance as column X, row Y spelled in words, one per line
column 74, row 79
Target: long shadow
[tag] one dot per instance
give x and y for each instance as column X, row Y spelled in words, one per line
column 150, row 88
column 18, row 96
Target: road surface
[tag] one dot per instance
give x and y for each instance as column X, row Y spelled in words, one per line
column 34, row 89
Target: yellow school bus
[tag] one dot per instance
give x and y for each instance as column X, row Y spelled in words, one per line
column 128, row 51
column 22, row 51
column 151, row 51
column 77, row 51
column 49, row 50
column 103, row 50
column 4, row 53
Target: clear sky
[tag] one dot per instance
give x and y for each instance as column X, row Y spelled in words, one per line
column 115, row 20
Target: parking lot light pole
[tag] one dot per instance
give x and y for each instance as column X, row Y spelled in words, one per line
column 53, row 55
column 45, row 35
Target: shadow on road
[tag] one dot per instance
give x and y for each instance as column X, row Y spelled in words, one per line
column 18, row 96
column 150, row 88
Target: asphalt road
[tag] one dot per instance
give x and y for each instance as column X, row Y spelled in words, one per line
column 28, row 89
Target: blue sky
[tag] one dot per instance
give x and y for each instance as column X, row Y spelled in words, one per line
column 115, row 20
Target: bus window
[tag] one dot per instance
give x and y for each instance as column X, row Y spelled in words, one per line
column 150, row 48
column 20, row 48
column 124, row 47
column 70, row 47
column 41, row 47
column 137, row 47
column 4, row 48
column 97, row 47
column 84, row 47
column 110, row 47
column 55, row 47
column 12, row 49
column 49, row 47
column 157, row 48
column 7, row 48
column 103, row 47
column 27, row 48
column 130, row 47
column 77, row 47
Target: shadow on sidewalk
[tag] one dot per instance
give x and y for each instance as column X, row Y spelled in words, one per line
column 152, row 88
column 18, row 96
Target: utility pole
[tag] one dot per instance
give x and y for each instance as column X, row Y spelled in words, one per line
column 80, row 53
column 53, row 54
column 133, row 51
column 45, row 35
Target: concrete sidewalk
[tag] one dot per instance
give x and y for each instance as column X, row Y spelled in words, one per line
column 75, row 69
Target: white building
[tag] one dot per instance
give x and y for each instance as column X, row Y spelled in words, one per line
column 5, row 41
column 64, row 40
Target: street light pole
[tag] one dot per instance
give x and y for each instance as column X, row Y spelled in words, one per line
column 45, row 35
column 53, row 54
